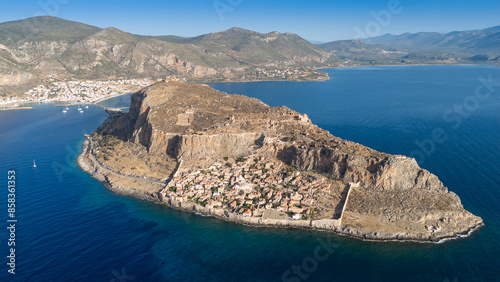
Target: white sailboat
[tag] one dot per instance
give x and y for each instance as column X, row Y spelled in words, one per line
column 34, row 164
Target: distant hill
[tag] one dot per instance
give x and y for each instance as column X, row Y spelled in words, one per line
column 33, row 48
column 472, row 42
column 353, row 52
column 345, row 48
column 255, row 48
column 43, row 29
column 473, row 46
column 258, row 48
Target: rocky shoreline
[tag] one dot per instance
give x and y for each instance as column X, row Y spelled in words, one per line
column 228, row 156
column 113, row 183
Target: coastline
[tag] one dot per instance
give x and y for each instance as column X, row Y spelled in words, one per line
column 152, row 192
column 328, row 77
column 410, row 65
column 26, row 105
column 325, row 78
column 16, row 108
column 95, row 103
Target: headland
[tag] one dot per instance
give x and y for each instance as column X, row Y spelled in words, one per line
column 235, row 158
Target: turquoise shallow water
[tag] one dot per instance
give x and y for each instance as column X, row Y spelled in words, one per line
column 71, row 228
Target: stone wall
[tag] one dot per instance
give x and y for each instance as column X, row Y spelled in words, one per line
column 322, row 224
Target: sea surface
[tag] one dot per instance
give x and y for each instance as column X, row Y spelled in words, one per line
column 71, row 228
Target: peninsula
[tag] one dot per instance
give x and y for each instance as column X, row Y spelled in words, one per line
column 233, row 157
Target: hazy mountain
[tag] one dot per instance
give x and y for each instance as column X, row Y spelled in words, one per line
column 345, row 48
column 474, row 46
column 358, row 52
column 485, row 41
column 33, row 48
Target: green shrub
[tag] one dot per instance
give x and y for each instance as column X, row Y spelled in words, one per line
column 241, row 159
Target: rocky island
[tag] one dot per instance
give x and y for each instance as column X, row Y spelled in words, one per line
column 235, row 158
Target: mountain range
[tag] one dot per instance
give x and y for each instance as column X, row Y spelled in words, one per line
column 31, row 49
column 472, row 46
column 471, row 42
column 358, row 52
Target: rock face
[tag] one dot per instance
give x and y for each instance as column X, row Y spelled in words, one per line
column 393, row 197
column 191, row 130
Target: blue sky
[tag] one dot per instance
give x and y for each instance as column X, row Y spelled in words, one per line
column 313, row 20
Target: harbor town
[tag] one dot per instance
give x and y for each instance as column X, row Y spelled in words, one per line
column 75, row 92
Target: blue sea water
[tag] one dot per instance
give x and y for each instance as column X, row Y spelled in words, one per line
column 71, row 228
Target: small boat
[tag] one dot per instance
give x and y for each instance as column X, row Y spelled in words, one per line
column 79, row 108
column 81, row 112
column 86, row 107
column 64, row 111
column 34, row 164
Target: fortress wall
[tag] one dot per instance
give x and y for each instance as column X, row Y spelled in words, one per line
column 351, row 185
column 323, row 224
